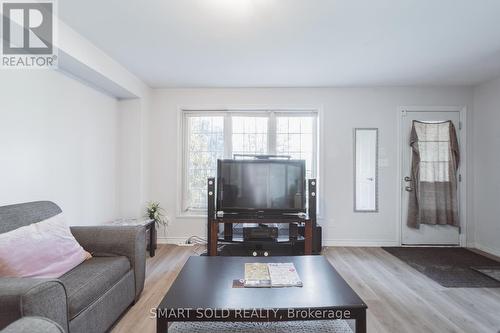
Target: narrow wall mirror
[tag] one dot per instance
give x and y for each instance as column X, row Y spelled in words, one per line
column 366, row 169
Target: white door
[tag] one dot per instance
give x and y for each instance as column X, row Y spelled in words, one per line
column 426, row 234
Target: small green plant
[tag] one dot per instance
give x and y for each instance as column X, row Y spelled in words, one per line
column 157, row 213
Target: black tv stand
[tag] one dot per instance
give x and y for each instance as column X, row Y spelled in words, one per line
column 307, row 241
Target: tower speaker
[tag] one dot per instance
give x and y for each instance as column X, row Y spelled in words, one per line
column 312, row 194
column 317, row 232
column 210, row 209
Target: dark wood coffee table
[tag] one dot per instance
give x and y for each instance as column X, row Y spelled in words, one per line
column 203, row 291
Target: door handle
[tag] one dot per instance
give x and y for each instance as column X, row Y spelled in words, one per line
column 407, row 179
column 370, row 179
column 408, row 188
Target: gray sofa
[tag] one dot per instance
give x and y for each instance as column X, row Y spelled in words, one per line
column 90, row 297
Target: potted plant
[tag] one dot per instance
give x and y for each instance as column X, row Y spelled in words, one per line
column 157, row 214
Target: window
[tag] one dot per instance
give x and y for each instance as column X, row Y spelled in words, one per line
column 294, row 137
column 205, row 145
column 215, row 135
column 249, row 135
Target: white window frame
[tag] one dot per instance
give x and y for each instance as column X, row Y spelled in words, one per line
column 270, row 112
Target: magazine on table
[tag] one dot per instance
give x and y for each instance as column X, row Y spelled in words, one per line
column 265, row 275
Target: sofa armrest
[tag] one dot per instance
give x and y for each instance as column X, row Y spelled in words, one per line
column 22, row 297
column 33, row 324
column 129, row 241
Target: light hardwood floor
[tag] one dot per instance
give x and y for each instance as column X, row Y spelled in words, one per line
column 399, row 298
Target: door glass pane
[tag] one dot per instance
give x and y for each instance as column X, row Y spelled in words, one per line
column 434, row 149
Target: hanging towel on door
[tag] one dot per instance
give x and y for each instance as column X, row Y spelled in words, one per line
column 435, row 159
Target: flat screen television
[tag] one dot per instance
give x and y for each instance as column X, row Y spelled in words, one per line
column 267, row 186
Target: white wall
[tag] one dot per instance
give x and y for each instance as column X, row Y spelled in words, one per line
column 58, row 141
column 486, row 157
column 343, row 109
column 63, row 141
column 133, row 148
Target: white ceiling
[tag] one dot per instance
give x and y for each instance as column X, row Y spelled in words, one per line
column 295, row 43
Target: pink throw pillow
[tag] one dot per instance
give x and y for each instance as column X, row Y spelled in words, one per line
column 46, row 249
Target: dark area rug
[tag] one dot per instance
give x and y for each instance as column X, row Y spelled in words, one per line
column 450, row 267
column 491, row 271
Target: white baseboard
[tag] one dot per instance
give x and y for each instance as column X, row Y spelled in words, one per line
column 345, row 242
column 359, row 242
column 172, row 240
column 326, row 242
column 495, row 252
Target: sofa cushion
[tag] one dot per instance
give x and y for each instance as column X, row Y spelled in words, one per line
column 45, row 249
column 91, row 279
